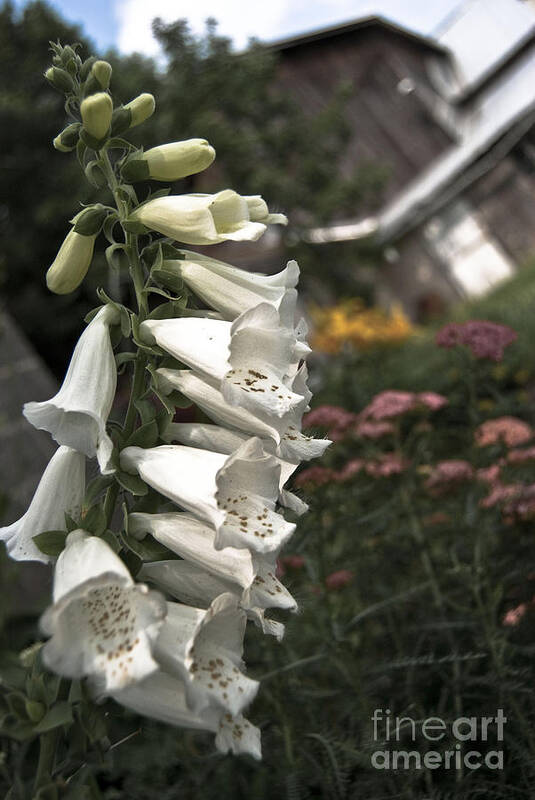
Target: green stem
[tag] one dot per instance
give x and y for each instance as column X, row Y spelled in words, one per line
column 47, row 751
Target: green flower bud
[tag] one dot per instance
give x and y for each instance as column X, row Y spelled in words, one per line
column 68, row 138
column 120, row 121
column 141, row 108
column 35, row 710
column 89, row 220
column 96, row 111
column 70, row 266
column 170, row 162
column 101, row 70
column 60, row 79
column 85, row 69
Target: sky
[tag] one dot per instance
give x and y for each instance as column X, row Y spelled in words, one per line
column 126, row 24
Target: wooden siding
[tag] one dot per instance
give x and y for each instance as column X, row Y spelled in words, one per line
column 389, row 127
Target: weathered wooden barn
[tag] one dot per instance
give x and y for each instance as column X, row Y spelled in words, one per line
column 452, row 116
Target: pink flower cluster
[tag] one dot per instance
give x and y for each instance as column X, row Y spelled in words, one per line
column 393, row 403
column 446, row 473
column 508, row 430
column 484, row 339
column 374, row 421
column 384, row 466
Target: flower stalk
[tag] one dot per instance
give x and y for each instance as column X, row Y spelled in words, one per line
column 226, row 483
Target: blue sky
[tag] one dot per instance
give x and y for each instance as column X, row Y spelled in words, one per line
column 126, row 23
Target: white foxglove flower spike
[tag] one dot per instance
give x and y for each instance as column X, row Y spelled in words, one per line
column 200, row 218
column 163, row 697
column 236, row 494
column 60, row 491
column 284, row 432
column 191, row 584
column 102, row 624
column 249, row 576
column 251, row 357
column 204, row 647
column 76, row 416
column 231, row 291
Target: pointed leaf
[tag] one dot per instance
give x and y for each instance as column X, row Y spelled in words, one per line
column 132, row 483
column 51, row 543
column 56, row 717
column 145, row 436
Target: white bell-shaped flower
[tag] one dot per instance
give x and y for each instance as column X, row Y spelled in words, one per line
column 60, row 491
column 76, row 416
column 252, row 357
column 200, row 218
column 102, row 624
column 236, row 494
column 249, row 576
column 231, row 291
column 223, row 440
column 204, row 648
column 196, row 587
column 285, row 432
column 162, row 696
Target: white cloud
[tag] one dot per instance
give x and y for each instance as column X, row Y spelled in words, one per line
column 265, row 20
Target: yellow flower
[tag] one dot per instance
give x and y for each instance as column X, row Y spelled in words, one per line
column 350, row 322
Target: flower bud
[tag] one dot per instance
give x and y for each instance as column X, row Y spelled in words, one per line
column 170, row 162
column 71, row 263
column 68, row 138
column 85, row 69
column 101, row 71
column 96, row 111
column 59, row 78
column 141, row 108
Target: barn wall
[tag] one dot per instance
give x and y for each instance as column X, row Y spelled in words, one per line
column 390, row 127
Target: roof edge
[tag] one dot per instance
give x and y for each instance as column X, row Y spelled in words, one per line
column 346, row 27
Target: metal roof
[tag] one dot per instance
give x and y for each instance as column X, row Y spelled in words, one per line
column 482, row 35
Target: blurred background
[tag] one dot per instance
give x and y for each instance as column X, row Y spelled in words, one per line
column 399, row 138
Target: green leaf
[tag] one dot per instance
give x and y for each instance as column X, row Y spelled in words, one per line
column 94, row 520
column 135, row 170
column 51, row 543
column 132, row 226
column 124, row 358
column 169, row 278
column 70, row 523
column 96, row 487
column 116, row 257
column 132, row 483
column 169, row 310
column 128, row 194
column 107, row 229
column 146, row 409
column 145, row 436
column 162, row 293
column 126, row 322
column 75, row 692
column 92, row 314
column 56, row 717
column 16, row 702
column 148, row 549
column 112, row 539
column 94, row 174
